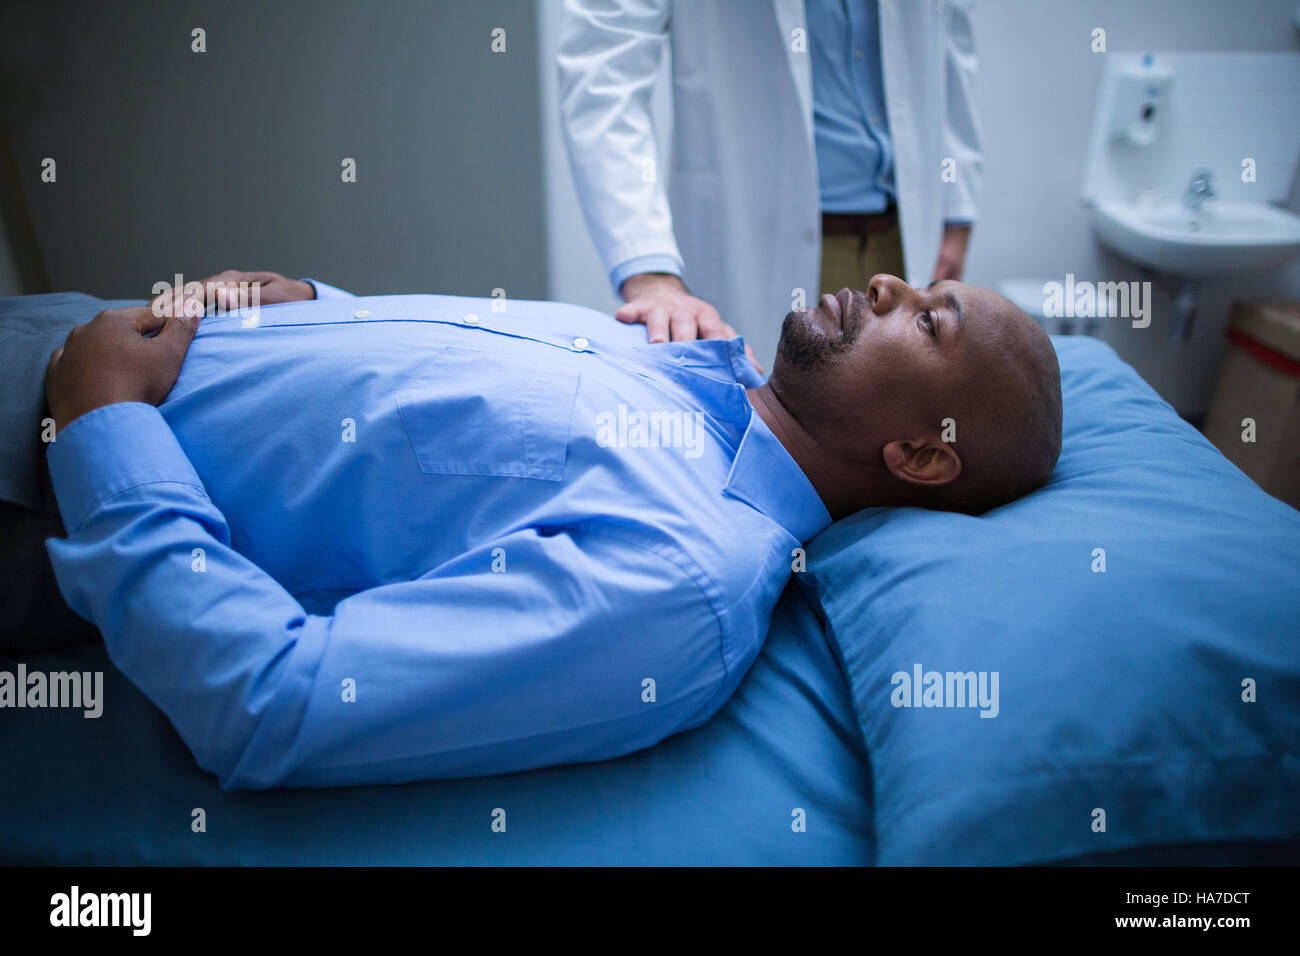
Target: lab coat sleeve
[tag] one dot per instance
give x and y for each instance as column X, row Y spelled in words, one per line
column 544, row 647
column 963, row 139
column 610, row 53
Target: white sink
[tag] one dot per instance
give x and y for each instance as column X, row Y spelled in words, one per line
column 1225, row 237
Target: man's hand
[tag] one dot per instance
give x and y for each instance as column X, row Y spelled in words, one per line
column 233, row 289
column 952, row 253
column 660, row 301
column 110, row 360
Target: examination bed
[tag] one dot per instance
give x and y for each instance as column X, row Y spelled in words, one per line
column 1141, row 613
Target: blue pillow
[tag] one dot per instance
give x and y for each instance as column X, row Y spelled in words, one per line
column 1110, row 662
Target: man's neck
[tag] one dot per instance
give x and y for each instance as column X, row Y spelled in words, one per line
column 824, row 475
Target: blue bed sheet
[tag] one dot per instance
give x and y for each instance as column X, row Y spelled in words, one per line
column 122, row 789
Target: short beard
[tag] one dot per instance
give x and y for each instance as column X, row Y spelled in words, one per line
column 808, row 350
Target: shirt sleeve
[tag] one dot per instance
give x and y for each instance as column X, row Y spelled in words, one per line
column 963, row 139
column 547, row 646
column 324, row 291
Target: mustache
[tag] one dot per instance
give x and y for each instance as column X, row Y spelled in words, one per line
column 810, row 349
column 855, row 316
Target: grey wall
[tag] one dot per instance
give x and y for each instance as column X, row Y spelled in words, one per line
column 170, row 160
column 10, row 282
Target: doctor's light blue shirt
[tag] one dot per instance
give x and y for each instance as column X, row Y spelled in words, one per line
column 855, row 159
column 400, row 537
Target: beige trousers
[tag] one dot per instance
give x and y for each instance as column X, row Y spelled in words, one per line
column 852, row 261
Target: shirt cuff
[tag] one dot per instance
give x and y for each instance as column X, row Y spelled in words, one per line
column 324, row 291
column 641, row 264
column 111, row 450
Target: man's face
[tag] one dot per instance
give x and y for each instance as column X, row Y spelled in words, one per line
column 863, row 368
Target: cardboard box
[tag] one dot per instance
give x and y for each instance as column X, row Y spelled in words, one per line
column 1258, row 396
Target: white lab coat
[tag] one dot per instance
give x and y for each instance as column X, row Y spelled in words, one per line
column 742, row 211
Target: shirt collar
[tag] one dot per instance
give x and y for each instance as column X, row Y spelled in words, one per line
column 704, row 369
column 764, row 476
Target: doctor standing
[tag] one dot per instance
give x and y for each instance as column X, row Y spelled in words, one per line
column 816, row 143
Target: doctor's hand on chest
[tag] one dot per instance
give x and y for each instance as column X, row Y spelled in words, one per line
column 661, row 302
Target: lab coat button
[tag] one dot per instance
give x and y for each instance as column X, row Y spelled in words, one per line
column 469, row 318
column 361, row 314
column 580, row 343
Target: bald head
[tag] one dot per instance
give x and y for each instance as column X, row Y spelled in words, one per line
column 947, row 397
column 1008, row 387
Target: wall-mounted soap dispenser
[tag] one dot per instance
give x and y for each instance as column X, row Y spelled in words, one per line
column 1138, row 97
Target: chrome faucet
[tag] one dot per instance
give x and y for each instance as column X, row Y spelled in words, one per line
column 1199, row 189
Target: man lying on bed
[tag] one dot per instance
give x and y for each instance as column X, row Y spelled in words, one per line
column 388, row 538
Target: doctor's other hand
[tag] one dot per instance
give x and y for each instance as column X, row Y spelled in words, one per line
column 113, row 358
column 659, row 300
column 952, row 253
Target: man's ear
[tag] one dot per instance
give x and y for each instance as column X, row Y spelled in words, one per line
column 922, row 461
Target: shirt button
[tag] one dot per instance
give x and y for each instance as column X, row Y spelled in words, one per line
column 857, row 54
column 361, row 314
column 469, row 318
column 580, row 343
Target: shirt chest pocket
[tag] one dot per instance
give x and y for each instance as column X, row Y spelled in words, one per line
column 489, row 413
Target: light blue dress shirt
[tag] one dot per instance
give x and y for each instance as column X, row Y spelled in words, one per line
column 855, row 159
column 399, row 537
